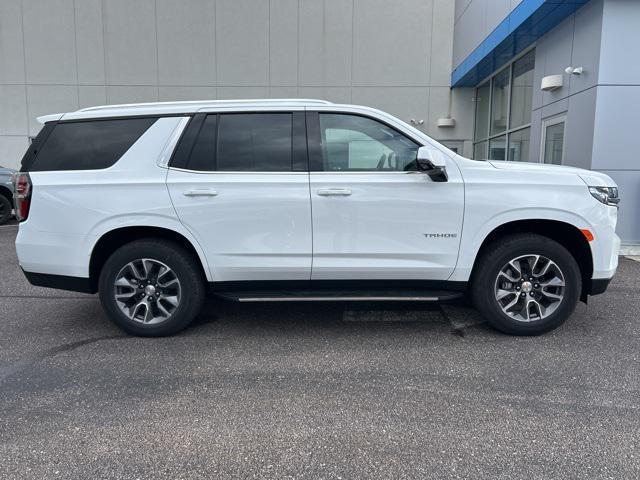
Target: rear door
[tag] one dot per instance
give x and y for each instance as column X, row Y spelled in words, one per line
column 239, row 182
column 374, row 216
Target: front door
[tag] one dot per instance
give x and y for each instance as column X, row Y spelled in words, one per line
column 239, row 182
column 374, row 216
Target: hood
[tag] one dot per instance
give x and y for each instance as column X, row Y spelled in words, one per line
column 591, row 178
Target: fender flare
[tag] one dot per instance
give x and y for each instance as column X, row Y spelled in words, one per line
column 471, row 242
column 141, row 221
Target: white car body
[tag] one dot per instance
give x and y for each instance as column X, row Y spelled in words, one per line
column 248, row 226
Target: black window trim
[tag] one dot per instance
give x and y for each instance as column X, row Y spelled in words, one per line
column 314, row 140
column 31, row 153
column 299, row 148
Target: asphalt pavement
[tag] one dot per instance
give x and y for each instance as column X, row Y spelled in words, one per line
column 315, row 391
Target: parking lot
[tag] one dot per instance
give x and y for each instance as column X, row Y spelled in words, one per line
column 315, row 391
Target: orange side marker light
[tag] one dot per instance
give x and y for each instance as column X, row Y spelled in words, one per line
column 587, row 234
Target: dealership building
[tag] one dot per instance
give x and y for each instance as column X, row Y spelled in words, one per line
column 553, row 81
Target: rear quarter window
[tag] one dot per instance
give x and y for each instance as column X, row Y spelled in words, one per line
column 88, row 145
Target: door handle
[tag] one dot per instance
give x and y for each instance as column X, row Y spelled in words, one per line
column 334, row 192
column 200, row 192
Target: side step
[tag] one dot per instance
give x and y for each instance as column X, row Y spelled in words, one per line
column 342, row 296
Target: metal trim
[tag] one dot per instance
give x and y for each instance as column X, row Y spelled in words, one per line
column 338, row 299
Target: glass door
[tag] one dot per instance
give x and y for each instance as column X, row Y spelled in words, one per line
column 552, row 150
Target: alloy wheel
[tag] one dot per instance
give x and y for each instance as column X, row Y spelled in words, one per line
column 147, row 291
column 529, row 288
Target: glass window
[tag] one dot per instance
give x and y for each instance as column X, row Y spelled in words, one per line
column 503, row 112
column 480, row 151
column 355, row 143
column 254, row 142
column 497, row 148
column 522, row 91
column 499, row 102
column 554, row 143
column 90, row 145
column 482, row 111
column 202, row 156
column 519, row 145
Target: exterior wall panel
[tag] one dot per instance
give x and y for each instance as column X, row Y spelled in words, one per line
column 392, row 55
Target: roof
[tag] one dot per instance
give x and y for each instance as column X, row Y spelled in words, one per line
column 169, row 108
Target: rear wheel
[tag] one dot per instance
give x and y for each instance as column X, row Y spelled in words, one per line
column 151, row 287
column 526, row 284
column 5, row 209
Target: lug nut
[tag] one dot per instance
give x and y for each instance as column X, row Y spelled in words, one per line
column 523, row 294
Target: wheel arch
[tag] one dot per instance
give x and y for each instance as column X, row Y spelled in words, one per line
column 566, row 234
column 116, row 238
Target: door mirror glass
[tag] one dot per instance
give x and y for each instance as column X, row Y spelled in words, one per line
column 432, row 162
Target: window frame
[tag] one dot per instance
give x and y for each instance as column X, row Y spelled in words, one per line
column 508, row 131
column 181, row 155
column 314, row 142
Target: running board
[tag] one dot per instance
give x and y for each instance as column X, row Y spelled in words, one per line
column 340, row 296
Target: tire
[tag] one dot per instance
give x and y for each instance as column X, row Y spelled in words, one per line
column 562, row 278
column 5, row 209
column 173, row 304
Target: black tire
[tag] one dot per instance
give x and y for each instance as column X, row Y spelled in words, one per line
column 187, row 270
column 497, row 255
column 5, row 209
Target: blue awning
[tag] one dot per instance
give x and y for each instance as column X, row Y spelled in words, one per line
column 526, row 23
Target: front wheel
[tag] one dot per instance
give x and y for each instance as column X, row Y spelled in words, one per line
column 526, row 284
column 151, row 287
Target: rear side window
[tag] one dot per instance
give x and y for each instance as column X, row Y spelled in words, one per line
column 257, row 142
column 245, row 142
column 90, row 145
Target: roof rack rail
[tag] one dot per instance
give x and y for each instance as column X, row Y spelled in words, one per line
column 205, row 103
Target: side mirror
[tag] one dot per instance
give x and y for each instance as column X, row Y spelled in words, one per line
column 433, row 163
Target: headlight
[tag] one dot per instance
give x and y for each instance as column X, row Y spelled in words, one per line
column 606, row 195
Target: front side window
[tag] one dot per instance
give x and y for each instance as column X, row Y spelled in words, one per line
column 503, row 113
column 244, row 142
column 361, row 144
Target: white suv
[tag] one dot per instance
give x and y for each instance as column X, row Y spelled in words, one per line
column 153, row 205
